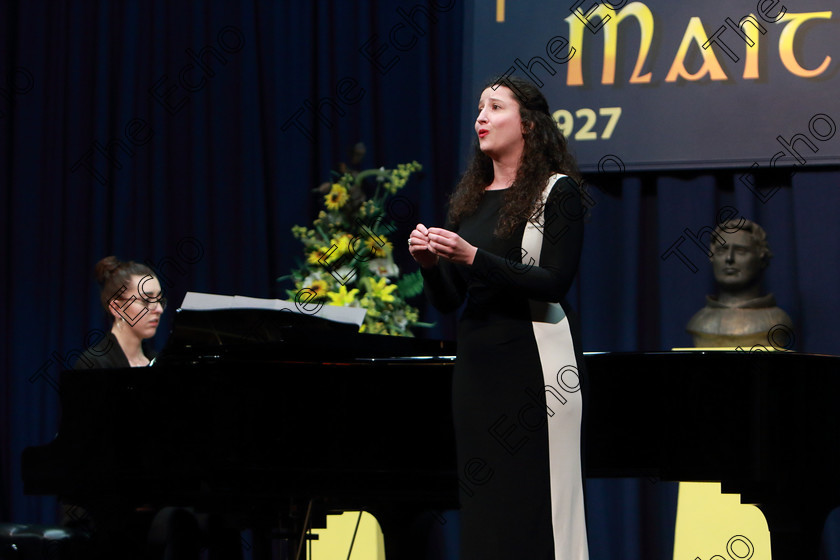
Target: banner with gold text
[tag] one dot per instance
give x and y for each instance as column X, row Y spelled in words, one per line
column 671, row 84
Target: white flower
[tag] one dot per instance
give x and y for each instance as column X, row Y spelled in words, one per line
column 347, row 274
column 315, row 275
column 400, row 319
column 384, row 267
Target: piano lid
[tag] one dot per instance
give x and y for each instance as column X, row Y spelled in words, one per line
column 201, row 336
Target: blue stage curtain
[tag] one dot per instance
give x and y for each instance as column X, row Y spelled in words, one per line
column 160, row 132
column 189, row 135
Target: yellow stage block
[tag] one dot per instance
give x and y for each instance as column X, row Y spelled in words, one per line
column 334, row 542
column 715, row 526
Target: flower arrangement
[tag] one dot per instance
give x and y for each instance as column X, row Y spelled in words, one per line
column 349, row 256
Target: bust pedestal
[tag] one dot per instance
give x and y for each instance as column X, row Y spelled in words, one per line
column 744, row 323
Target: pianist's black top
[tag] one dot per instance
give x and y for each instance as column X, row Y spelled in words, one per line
column 108, row 353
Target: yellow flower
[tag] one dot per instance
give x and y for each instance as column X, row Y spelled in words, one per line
column 343, row 297
column 343, row 243
column 399, row 176
column 339, row 246
column 316, row 255
column 320, row 288
column 376, row 250
column 380, row 289
column 378, row 327
column 370, row 305
column 336, row 197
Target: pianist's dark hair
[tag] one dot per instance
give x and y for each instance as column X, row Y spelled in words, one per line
column 113, row 275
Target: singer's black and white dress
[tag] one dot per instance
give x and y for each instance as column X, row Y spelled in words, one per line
column 518, row 382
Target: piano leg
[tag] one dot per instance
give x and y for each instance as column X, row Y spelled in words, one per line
column 174, row 534
column 221, row 541
column 795, row 530
column 272, row 544
column 406, row 533
column 119, row 532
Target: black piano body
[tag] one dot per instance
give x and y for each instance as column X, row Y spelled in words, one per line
column 256, row 425
column 254, row 414
column 764, row 424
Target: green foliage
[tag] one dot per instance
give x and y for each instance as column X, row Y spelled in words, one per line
column 349, row 264
column 410, row 284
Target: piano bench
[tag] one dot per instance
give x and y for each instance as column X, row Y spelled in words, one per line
column 43, row 542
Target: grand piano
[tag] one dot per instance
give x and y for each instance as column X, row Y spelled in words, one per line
column 274, row 419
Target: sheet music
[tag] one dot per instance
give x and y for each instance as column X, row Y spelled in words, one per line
column 198, row 301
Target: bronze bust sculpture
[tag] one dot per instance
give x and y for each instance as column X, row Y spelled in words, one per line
column 739, row 315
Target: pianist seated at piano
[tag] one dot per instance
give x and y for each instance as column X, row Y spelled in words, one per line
column 133, row 303
column 132, row 300
column 120, row 284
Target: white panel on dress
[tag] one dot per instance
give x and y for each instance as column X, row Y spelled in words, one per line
column 564, row 406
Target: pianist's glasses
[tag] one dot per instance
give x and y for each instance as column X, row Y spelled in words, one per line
column 150, row 303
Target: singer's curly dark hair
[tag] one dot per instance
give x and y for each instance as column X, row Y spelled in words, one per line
column 545, row 153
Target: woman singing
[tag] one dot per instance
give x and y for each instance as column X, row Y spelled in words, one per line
column 510, row 252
